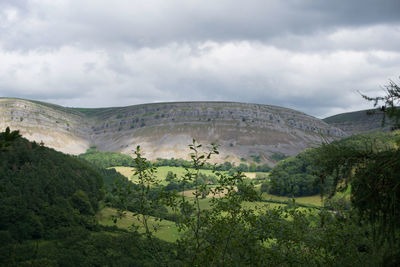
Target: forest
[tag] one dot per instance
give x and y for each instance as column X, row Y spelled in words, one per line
column 49, row 206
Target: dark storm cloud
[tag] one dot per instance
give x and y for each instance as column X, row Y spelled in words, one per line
column 152, row 23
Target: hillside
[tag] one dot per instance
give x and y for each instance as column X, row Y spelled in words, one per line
column 297, row 175
column 42, row 190
column 359, row 122
column 165, row 129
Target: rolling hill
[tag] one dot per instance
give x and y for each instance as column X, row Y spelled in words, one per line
column 359, row 122
column 164, row 130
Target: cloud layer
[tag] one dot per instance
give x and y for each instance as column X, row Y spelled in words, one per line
column 309, row 55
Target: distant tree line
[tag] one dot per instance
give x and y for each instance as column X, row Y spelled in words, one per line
column 226, row 166
column 299, row 175
column 105, row 159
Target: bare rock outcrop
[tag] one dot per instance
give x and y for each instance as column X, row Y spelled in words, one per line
column 165, row 129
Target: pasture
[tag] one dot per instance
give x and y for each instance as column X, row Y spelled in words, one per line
column 166, row 230
column 161, row 173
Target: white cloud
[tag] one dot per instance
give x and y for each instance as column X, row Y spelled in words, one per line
column 318, row 84
column 300, row 54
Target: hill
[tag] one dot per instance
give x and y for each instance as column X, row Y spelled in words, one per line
column 164, row 130
column 358, row 122
column 42, row 190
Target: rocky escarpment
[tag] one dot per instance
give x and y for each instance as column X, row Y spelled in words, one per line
column 58, row 127
column 244, row 131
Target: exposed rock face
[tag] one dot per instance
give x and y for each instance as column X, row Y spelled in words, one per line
column 58, row 127
column 165, row 129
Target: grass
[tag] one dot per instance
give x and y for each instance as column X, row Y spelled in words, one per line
column 179, row 171
column 313, row 200
column 125, row 171
column 161, row 172
column 167, row 230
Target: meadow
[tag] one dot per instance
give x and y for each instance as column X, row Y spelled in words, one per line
column 179, row 171
column 167, row 230
column 161, row 173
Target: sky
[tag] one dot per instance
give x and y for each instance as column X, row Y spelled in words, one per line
column 314, row 56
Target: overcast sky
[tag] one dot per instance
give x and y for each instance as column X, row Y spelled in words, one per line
column 309, row 55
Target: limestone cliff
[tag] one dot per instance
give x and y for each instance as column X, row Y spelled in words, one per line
column 165, row 129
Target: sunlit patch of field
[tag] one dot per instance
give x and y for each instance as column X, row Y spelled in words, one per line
column 250, row 175
column 191, row 193
column 167, row 230
column 125, row 171
column 253, row 175
column 161, row 172
column 313, row 200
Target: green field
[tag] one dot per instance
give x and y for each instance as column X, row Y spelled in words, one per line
column 167, row 230
column 313, row 200
column 179, row 171
column 160, row 174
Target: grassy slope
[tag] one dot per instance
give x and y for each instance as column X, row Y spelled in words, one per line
column 347, row 117
column 313, row 200
column 180, row 171
column 161, row 172
column 167, row 230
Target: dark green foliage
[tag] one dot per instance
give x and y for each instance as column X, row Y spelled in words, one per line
column 390, row 104
column 81, row 247
column 202, row 179
column 107, row 159
column 256, row 159
column 263, row 168
column 47, row 206
column 7, row 137
column 242, row 167
column 372, row 171
column 295, row 176
column 300, row 175
column 264, row 188
column 51, row 199
column 80, row 201
column 226, row 166
column 171, row 162
column 252, row 167
column 41, row 188
column 278, row 156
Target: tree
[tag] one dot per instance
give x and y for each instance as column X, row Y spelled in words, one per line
column 7, row 137
column 390, row 103
column 373, row 174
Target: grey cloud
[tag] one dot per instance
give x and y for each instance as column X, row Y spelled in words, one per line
column 317, row 84
column 155, row 23
column 308, row 55
column 378, row 37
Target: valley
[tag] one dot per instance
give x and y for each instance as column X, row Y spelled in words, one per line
column 65, row 209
